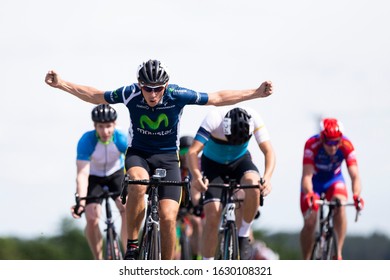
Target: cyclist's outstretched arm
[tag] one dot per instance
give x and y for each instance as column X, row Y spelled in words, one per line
column 86, row 93
column 230, row 97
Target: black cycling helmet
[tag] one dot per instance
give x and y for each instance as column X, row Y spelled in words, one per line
column 103, row 113
column 152, row 73
column 236, row 127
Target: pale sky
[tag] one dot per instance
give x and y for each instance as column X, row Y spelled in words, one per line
column 327, row 58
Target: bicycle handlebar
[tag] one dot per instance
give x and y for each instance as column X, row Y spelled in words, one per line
column 234, row 185
column 104, row 195
column 338, row 203
column 156, row 182
column 333, row 203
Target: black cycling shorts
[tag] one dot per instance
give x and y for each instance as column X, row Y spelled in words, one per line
column 148, row 161
column 96, row 184
column 216, row 173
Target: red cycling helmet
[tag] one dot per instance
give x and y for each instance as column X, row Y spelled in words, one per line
column 331, row 129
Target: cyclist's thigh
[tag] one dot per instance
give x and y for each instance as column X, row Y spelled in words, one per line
column 93, row 212
column 244, row 170
column 169, row 162
column 215, row 173
column 115, row 180
column 138, row 169
column 336, row 188
column 95, row 184
column 136, row 164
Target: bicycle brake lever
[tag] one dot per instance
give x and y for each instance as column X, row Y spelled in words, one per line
column 188, row 199
column 261, row 196
column 124, row 193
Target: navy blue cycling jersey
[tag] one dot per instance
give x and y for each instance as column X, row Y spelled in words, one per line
column 155, row 129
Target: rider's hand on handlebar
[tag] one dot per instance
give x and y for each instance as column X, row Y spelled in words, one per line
column 265, row 187
column 359, row 202
column 77, row 211
column 310, row 200
column 200, row 184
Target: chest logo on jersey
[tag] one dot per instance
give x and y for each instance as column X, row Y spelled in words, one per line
column 145, row 120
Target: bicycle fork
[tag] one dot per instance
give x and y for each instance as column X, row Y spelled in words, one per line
column 228, row 218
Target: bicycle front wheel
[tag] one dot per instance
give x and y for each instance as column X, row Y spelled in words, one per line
column 112, row 249
column 331, row 246
column 145, row 243
column 185, row 247
column 317, row 252
column 155, row 248
column 150, row 243
column 230, row 242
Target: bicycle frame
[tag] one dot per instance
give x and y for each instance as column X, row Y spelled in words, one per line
column 227, row 246
column 151, row 230
column 326, row 240
column 150, row 241
column 113, row 249
column 182, row 226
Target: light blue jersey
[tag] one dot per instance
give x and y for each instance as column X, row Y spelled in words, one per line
column 105, row 158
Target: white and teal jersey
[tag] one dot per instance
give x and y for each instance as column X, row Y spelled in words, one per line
column 105, row 158
column 216, row 146
column 155, row 129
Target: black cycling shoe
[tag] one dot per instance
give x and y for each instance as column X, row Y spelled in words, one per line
column 245, row 248
column 132, row 254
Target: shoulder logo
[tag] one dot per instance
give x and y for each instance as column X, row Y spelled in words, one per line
column 115, row 94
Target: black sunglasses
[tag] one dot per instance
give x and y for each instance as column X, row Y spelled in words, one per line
column 155, row 89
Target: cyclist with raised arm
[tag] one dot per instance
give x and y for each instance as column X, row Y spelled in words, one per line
column 224, row 137
column 100, row 162
column 155, row 108
column 323, row 156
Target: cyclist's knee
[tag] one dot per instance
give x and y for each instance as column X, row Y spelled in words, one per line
column 310, row 222
column 212, row 218
column 92, row 220
column 168, row 210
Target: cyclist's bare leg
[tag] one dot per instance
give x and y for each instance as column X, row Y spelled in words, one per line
column 195, row 240
column 197, row 225
column 340, row 226
column 92, row 230
column 212, row 211
column 168, row 212
column 135, row 205
column 307, row 234
column 122, row 211
column 252, row 197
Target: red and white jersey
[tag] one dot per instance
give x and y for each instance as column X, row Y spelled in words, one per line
column 325, row 165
